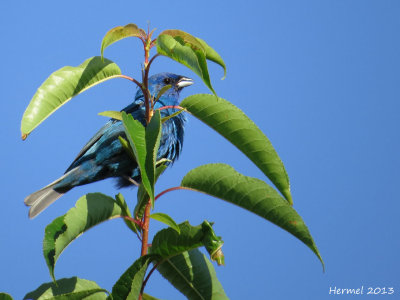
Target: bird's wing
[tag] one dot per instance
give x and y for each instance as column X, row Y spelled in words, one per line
column 132, row 108
column 91, row 142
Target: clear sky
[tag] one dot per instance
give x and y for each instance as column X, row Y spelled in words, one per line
column 320, row 78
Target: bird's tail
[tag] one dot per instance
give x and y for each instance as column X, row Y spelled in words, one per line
column 41, row 199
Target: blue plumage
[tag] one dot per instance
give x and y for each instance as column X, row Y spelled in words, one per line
column 103, row 156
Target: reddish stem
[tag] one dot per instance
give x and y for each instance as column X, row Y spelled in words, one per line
column 171, row 106
column 146, row 222
column 146, row 57
column 153, row 43
column 133, row 80
column 143, row 41
column 148, row 276
column 137, row 222
column 172, row 189
column 153, row 58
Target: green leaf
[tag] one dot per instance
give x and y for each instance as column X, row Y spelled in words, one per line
column 153, row 134
column 143, row 197
column 61, row 86
column 119, row 33
column 212, row 55
column 236, row 127
column 168, row 242
column 185, row 37
column 166, row 219
column 187, row 50
column 164, row 119
column 117, row 115
column 222, row 181
column 148, row 297
column 212, row 243
column 89, row 210
column 126, row 212
column 129, row 284
column 68, row 289
column 193, row 275
column 136, row 134
column 162, row 92
column 127, row 147
column 144, row 143
column 4, row 296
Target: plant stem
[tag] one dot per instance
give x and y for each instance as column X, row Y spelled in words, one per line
column 172, row 106
column 137, row 222
column 133, row 80
column 149, row 114
column 148, row 276
column 173, row 189
column 146, row 222
column 146, row 79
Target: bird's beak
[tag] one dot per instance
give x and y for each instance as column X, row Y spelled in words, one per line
column 184, row 81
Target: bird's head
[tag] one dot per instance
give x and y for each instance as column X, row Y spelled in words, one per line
column 160, row 80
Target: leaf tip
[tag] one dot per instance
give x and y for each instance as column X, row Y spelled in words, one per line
column 288, row 196
column 321, row 260
column 223, row 77
column 218, row 257
column 290, row 200
column 24, row 136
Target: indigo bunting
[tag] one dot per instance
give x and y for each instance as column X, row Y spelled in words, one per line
column 104, row 157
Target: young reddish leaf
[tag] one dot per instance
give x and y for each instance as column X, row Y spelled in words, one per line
column 186, row 50
column 119, row 33
column 186, row 37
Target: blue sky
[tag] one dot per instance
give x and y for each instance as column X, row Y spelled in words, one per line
column 320, row 78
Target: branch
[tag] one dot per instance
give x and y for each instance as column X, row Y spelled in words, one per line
column 172, row 106
column 133, row 80
column 173, row 189
column 137, row 222
column 148, row 276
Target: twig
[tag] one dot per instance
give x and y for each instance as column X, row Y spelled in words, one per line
column 148, row 276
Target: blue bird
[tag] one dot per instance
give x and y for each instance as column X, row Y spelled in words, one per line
column 104, row 157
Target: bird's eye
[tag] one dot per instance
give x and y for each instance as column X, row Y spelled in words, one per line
column 167, row 80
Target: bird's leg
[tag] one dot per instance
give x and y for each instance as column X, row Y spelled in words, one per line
column 131, row 180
